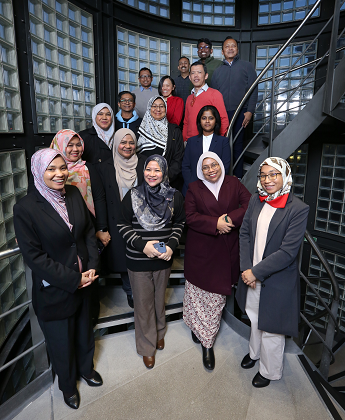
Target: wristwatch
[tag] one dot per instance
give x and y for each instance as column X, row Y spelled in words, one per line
column 104, row 229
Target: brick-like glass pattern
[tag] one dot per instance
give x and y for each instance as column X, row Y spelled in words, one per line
column 63, row 65
column 209, row 12
column 155, row 7
column 280, row 11
column 135, row 51
column 298, row 162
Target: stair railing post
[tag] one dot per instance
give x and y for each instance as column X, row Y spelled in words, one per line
column 231, row 171
column 270, row 146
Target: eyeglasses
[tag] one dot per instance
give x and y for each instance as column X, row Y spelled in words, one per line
column 145, row 76
column 157, row 107
column 206, row 47
column 271, row 176
column 127, row 101
column 213, row 165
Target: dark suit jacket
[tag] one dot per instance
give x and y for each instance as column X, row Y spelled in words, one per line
column 50, row 249
column 219, row 145
column 95, row 150
column 114, row 255
column 278, row 271
column 212, row 260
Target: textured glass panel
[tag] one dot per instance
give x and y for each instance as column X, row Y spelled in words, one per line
column 270, row 10
column 203, row 12
column 150, row 6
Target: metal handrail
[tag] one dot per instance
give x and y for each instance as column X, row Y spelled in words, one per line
column 11, row 362
column 9, row 253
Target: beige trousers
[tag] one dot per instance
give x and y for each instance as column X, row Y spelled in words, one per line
column 148, row 289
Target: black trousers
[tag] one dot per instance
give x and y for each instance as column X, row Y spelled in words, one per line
column 71, row 346
column 238, row 145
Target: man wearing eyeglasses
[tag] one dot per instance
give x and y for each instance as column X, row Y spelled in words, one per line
column 144, row 92
column 127, row 116
column 204, row 52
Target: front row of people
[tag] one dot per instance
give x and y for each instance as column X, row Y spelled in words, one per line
column 56, row 235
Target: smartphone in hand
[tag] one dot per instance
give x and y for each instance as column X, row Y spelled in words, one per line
column 160, row 247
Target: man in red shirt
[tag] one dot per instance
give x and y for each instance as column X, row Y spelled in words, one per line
column 202, row 95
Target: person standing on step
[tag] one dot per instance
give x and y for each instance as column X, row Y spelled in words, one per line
column 215, row 206
column 269, row 292
column 182, row 81
column 204, row 52
column 144, row 92
column 127, row 116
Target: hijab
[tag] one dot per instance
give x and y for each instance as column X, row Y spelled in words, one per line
column 153, row 133
column 154, row 206
column 78, row 173
column 279, row 198
column 39, row 163
column 126, row 173
column 106, row 135
column 214, row 187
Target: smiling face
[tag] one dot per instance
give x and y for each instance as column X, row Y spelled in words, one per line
column 158, row 110
column 204, row 50
column 271, row 185
column 74, row 149
column 207, row 122
column 211, row 170
column 126, row 103
column 127, row 147
column 56, row 174
column 167, row 88
column 145, row 79
column 183, row 65
column 153, row 174
column 197, row 76
column 103, row 119
column 230, row 49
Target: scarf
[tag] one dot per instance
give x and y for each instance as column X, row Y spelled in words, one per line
column 125, row 124
column 214, row 187
column 154, row 206
column 126, row 173
column 152, row 133
column 39, row 163
column 78, row 172
column 108, row 135
column 279, row 198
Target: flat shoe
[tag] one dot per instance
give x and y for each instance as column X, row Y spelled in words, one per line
column 247, row 362
column 149, row 362
column 95, row 381
column 73, row 401
column 195, row 338
column 130, row 301
column 160, row 344
column 208, row 358
column 259, row 381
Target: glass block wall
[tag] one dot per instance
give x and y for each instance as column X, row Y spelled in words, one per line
column 63, row 65
column 209, row 12
column 13, row 186
column 135, row 51
column 191, row 51
column 330, row 213
column 10, row 105
column 300, row 98
column 280, row 11
column 298, row 162
column 155, row 7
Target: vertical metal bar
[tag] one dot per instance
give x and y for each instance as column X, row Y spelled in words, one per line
column 231, row 171
column 270, row 146
column 329, row 339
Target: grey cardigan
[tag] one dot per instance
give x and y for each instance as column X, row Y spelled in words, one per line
column 278, row 271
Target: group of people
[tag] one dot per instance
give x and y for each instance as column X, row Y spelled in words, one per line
column 117, row 196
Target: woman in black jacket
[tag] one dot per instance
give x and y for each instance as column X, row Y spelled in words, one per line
column 57, row 239
column 158, row 136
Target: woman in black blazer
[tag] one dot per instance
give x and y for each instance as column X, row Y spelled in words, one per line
column 269, row 292
column 57, row 239
column 120, row 173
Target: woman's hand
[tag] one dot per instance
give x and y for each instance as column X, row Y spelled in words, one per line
column 249, row 279
column 104, row 237
column 150, row 250
column 223, row 226
column 166, row 255
column 87, row 278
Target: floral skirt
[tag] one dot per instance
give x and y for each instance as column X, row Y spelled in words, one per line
column 202, row 312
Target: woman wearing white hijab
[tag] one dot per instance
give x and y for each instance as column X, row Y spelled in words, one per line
column 215, row 206
column 98, row 140
column 269, row 292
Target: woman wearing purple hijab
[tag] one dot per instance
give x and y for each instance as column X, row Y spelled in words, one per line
column 57, row 239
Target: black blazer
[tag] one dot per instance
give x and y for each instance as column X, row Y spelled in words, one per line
column 95, row 150
column 98, row 194
column 50, row 249
column 114, row 253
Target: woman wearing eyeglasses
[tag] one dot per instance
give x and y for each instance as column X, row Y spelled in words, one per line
column 159, row 137
column 215, row 206
column 269, row 292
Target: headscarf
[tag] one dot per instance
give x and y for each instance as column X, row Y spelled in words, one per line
column 106, row 135
column 153, row 133
column 126, row 173
column 78, row 173
column 284, row 168
column 214, row 187
column 39, row 163
column 154, row 206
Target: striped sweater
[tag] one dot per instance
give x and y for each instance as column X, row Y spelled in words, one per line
column 136, row 236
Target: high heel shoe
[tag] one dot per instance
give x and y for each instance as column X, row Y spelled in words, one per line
column 208, row 357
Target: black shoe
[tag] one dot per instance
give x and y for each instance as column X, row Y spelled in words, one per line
column 195, row 338
column 73, row 401
column 247, row 362
column 96, row 380
column 208, row 358
column 259, row 381
column 130, row 301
